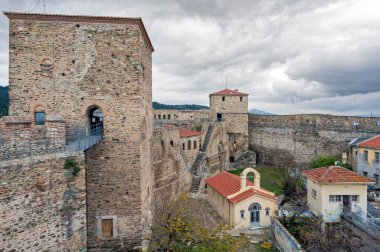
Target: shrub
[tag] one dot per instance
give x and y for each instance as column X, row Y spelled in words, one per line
column 69, row 163
column 76, row 170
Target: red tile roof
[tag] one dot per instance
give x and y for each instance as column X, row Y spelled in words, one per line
column 373, row 143
column 229, row 92
column 226, row 184
column 189, row 133
column 81, row 18
column 335, row 174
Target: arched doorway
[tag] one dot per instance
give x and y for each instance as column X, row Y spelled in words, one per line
column 96, row 117
column 254, row 210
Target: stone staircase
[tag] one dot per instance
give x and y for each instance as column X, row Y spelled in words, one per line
column 196, row 181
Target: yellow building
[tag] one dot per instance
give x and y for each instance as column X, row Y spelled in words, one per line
column 369, row 159
column 332, row 189
column 242, row 203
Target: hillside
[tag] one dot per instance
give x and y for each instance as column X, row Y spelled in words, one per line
column 259, row 112
column 4, row 100
column 157, row 105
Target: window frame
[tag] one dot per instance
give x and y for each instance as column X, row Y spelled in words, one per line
column 242, row 212
column 377, row 157
column 38, row 122
column 365, row 157
column 335, row 198
column 314, row 193
column 267, row 211
column 357, row 198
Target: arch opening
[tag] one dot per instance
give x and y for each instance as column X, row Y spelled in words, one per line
column 96, row 120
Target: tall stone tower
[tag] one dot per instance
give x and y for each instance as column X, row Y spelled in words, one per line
column 231, row 107
column 93, row 71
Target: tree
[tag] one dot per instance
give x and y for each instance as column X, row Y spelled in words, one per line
column 326, row 161
column 178, row 225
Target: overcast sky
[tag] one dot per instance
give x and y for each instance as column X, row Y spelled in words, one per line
column 291, row 56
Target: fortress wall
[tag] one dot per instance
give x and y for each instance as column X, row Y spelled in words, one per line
column 304, row 137
column 170, row 171
column 217, row 153
column 42, row 205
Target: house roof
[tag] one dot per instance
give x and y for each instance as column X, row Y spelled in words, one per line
column 373, row 143
column 189, row 133
column 335, row 174
column 355, row 141
column 81, row 18
column 226, row 184
column 227, row 92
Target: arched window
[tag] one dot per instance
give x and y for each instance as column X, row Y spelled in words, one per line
column 183, row 146
column 242, row 214
column 189, row 145
column 254, row 207
column 267, row 211
column 40, row 118
column 171, row 143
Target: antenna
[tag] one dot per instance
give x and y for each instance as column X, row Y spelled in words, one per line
column 44, row 6
column 226, row 81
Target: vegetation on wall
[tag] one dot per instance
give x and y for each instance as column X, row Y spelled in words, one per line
column 71, row 164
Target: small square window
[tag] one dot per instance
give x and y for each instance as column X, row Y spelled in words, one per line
column 241, row 98
column 40, row 118
column 267, row 211
column 223, row 98
column 314, row 193
column 242, row 214
column 355, row 198
column 365, row 174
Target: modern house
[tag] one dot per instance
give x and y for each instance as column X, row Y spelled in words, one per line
column 369, row 162
column 242, row 203
column 353, row 152
column 331, row 190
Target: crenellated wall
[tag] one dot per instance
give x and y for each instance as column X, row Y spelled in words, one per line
column 304, row 137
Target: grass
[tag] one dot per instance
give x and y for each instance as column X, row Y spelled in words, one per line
column 271, row 178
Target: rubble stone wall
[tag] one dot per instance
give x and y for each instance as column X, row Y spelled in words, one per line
column 304, row 137
column 42, row 205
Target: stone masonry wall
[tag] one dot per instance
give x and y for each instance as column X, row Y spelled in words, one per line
column 21, row 137
column 304, row 137
column 72, row 65
column 170, row 171
column 217, row 153
column 168, row 115
column 42, row 205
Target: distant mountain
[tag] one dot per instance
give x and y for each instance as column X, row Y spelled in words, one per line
column 157, row 105
column 4, row 100
column 259, row 112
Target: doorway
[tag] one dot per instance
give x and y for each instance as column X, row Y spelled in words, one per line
column 346, row 201
column 254, row 210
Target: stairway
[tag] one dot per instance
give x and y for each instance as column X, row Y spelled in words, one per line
column 196, row 181
column 195, row 184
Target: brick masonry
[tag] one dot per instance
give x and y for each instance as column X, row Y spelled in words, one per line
column 42, row 205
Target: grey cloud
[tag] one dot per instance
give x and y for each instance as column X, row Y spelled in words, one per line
column 292, row 56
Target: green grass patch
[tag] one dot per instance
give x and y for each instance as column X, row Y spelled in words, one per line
column 271, row 178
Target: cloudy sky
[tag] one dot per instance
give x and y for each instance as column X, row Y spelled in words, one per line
column 291, row 56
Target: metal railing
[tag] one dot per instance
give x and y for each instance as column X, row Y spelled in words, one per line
column 86, row 140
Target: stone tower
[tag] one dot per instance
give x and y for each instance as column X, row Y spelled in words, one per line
column 91, row 70
column 231, row 107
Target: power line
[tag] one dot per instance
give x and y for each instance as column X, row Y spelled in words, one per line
column 35, row 6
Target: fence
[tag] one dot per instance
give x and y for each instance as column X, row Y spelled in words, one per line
column 30, row 144
column 366, row 223
column 283, row 238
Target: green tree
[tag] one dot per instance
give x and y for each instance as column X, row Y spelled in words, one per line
column 178, row 226
column 326, row 161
